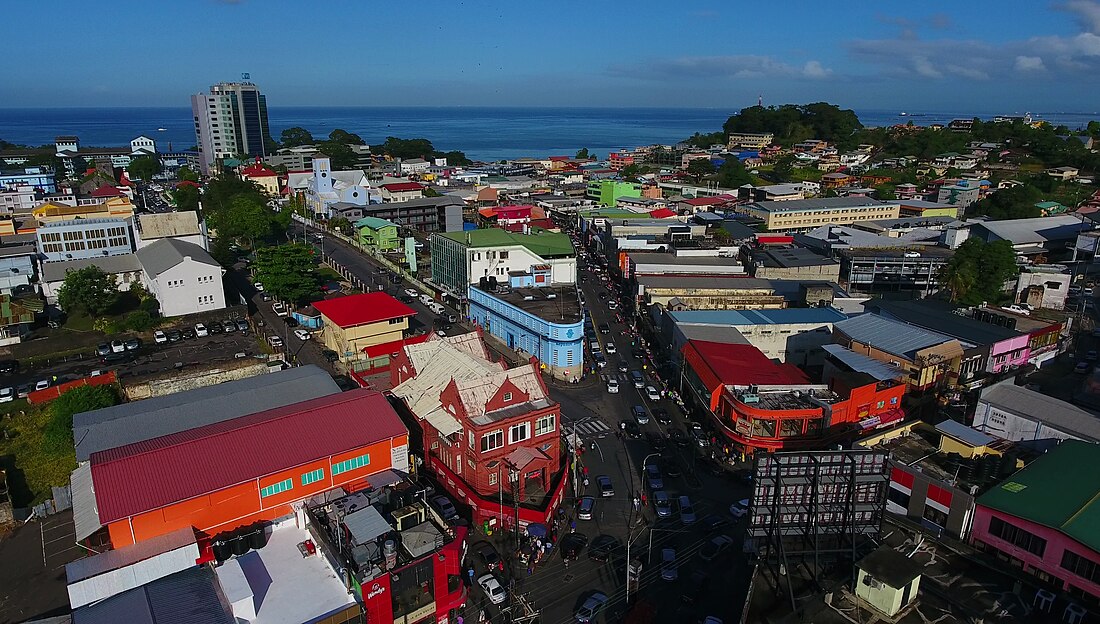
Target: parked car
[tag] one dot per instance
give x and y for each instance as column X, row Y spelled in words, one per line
column 602, row 548
column 679, row 438
column 275, row 341
column 1090, row 356
column 613, row 386
column 23, row 390
column 242, row 325
column 604, row 483
column 637, row 378
column 290, row 321
column 330, row 355
column 590, row 608
column 585, row 508
column 200, row 330
column 159, row 337
column 492, row 588
column 668, row 565
column 8, row 367
column 699, row 436
column 302, row 334
column 411, row 292
column 653, row 477
column 713, row 522
column 133, row 344
column 611, row 349
column 7, row 394
column 215, row 328
column 444, row 506
column 229, row 326
column 188, row 333
column 640, row 414
column 488, row 554
column 600, row 361
column 174, row 335
column 716, row 546
column 571, row 545
column 117, row 346
column 740, row 508
column 656, row 441
column 41, row 384
column 103, row 349
column 662, row 504
column 605, row 328
column 687, row 510
column 652, row 394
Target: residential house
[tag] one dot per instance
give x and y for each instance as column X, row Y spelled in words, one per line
column 263, row 176
column 402, row 191
column 16, row 317
column 1064, row 174
column 414, row 166
column 126, row 270
column 183, row 277
column 378, row 234
column 355, row 322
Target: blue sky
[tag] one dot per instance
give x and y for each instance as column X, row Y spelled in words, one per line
column 977, row 55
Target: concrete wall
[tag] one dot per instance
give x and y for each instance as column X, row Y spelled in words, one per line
column 172, row 383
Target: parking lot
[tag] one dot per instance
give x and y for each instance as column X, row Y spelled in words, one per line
column 32, row 579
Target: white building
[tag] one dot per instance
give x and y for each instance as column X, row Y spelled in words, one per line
column 143, row 145
column 322, row 187
column 1017, row 414
column 182, row 276
column 231, row 120
column 414, row 165
column 126, row 270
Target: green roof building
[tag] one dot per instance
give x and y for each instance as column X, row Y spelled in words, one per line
column 608, row 192
column 1046, row 517
column 378, row 233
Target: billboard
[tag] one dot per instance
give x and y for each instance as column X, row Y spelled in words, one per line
column 817, row 501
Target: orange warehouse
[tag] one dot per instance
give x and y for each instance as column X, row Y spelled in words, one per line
column 233, row 473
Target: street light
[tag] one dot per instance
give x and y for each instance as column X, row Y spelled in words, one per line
column 631, row 537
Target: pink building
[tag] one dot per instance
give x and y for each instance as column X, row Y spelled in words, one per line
column 1011, row 353
column 1045, row 519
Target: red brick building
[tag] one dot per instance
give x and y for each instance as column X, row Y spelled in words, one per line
column 760, row 405
column 488, row 432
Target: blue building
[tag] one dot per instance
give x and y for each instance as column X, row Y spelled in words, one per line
column 546, row 322
column 38, row 177
column 78, row 239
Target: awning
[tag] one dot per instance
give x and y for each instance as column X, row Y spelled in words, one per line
column 365, row 525
column 85, row 512
column 384, row 478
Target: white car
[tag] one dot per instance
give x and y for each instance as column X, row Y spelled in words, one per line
column 259, row 286
column 200, row 330
column 613, row 385
column 492, row 588
column 301, row 334
column 412, row 292
column 610, row 347
column 41, row 384
column 275, row 341
column 652, row 393
column 740, row 508
column 7, row 394
column 117, row 346
column 159, row 337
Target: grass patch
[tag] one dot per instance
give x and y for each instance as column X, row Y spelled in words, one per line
column 33, row 466
column 329, row 275
column 78, row 321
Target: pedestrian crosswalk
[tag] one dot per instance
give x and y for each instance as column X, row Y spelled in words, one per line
column 589, row 426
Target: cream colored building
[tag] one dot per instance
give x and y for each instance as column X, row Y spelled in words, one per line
column 353, row 323
column 806, row 214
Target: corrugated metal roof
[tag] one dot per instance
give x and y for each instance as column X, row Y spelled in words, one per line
column 111, row 427
column 889, row 335
column 959, row 431
column 863, row 364
column 785, row 316
column 1041, row 408
column 362, row 309
column 151, row 474
column 366, row 524
column 188, row 597
column 85, row 514
column 170, row 252
column 125, row 263
column 128, row 555
column 940, row 317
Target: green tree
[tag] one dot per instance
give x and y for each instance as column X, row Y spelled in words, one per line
column 783, row 168
column 582, row 153
column 245, row 218
column 345, row 137
column 631, row 172
column 431, row 192
column 295, row 137
column 185, row 197
column 706, row 140
column 59, row 429
column 978, row 271
column 406, row 149
column 885, row 191
column 144, row 167
column 340, row 154
column 288, row 272
column 732, row 174
column 187, row 174
column 792, row 123
column 89, row 289
column 455, row 158
column 1017, row 202
column 699, row 168
column 340, row 224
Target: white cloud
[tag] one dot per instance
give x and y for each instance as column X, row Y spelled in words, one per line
column 1029, row 64
column 814, row 69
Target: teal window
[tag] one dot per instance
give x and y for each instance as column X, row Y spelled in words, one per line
column 277, row 488
column 313, row 476
column 350, row 464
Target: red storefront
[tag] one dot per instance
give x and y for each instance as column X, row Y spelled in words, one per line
column 439, row 573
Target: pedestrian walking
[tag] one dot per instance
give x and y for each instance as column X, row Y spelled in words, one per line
column 471, row 573
column 643, row 499
column 637, row 504
column 584, row 471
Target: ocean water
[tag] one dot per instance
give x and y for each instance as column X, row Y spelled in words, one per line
column 484, row 133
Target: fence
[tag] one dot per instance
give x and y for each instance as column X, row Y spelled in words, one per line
column 45, row 396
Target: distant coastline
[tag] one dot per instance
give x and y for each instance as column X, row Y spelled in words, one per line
column 484, row 133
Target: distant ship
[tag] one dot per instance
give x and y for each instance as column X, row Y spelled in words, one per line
column 903, row 114
column 162, row 129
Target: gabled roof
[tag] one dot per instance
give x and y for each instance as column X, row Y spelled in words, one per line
column 111, row 427
column 940, row 317
column 374, row 223
column 403, row 187
column 890, row 336
column 107, row 190
column 155, row 473
column 1045, row 492
column 476, row 392
column 56, row 271
column 362, row 309
column 168, row 253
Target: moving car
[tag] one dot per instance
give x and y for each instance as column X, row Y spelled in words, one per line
column 590, row 608
column 1082, row 368
column 610, row 347
column 630, row 429
column 8, row 367
column 656, row 441
column 605, row 328
column 290, row 321
column 604, row 483
column 613, row 386
column 652, row 394
column 661, row 415
column 302, row 334
column 600, row 360
column 571, row 545
column 638, row 379
column 668, row 565
column 488, row 554
column 585, row 508
column 640, row 414
column 716, row 546
column 687, row 510
column 623, row 367
column 492, row 588
column 602, row 548
column 700, row 436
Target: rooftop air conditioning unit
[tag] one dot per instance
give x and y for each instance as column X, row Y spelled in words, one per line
column 408, row 517
column 750, row 398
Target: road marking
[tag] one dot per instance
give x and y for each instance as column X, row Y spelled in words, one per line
column 589, row 426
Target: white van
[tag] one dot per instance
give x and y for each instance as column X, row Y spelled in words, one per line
column 436, row 307
column 426, row 299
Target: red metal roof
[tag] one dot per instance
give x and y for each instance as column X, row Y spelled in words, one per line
column 400, row 187
column 258, row 170
column 387, row 348
column 148, row 475
column 362, row 309
column 107, row 190
column 706, row 201
column 718, row 364
column 662, row 213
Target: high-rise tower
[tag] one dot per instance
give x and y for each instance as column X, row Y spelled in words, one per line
column 230, row 121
